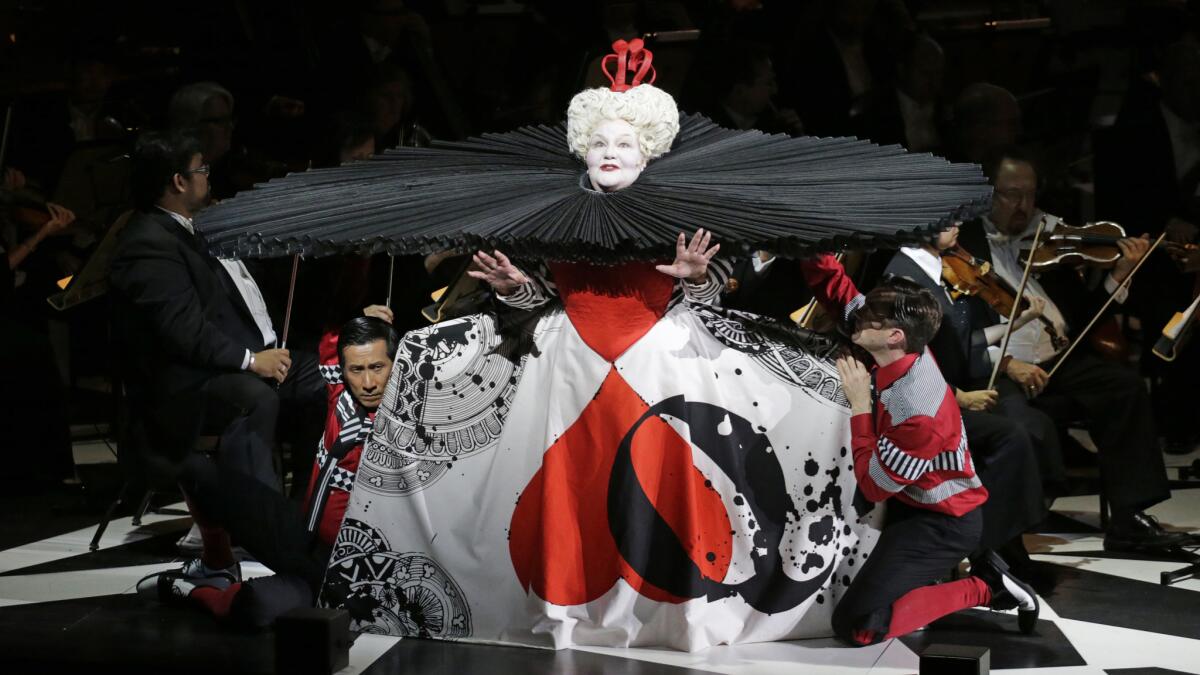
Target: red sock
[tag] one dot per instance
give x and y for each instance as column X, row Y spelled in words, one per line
column 216, row 600
column 921, row 606
column 218, row 550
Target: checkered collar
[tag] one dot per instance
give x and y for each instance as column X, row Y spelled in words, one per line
column 886, row 375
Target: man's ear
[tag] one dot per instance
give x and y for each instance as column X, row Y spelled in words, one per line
column 896, row 338
column 179, row 182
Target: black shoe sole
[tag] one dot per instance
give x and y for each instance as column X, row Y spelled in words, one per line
column 1027, row 619
column 1114, row 545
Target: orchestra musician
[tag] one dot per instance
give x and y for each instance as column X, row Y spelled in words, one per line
column 1108, row 398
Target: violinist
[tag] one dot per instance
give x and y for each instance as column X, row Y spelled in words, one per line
column 1148, row 178
column 1004, row 451
column 27, row 360
column 16, row 248
column 1108, row 397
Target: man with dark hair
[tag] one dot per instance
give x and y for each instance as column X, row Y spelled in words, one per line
column 1004, row 451
column 985, row 117
column 907, row 113
column 1108, row 397
column 910, row 449
column 199, row 347
column 744, row 88
column 356, row 364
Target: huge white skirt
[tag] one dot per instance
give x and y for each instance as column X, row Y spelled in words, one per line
column 519, row 488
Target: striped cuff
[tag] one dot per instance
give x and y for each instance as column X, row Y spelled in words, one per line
column 705, row 292
column 527, row 296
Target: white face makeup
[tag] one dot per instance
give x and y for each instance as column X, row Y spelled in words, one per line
column 614, row 158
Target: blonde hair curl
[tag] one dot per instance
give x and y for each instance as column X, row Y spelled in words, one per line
column 648, row 109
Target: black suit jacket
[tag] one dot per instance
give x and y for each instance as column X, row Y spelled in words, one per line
column 775, row 292
column 1136, row 184
column 179, row 318
column 1075, row 300
column 959, row 346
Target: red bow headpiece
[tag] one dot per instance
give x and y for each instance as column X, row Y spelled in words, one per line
column 632, row 57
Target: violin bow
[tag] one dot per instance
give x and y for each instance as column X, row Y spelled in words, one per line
column 4, row 139
column 1113, row 296
column 287, row 314
column 1012, row 315
column 391, row 275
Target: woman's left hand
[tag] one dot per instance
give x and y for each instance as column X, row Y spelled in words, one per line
column 691, row 260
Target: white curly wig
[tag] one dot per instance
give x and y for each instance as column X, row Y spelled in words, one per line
column 648, row 109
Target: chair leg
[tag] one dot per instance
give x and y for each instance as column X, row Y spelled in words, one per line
column 142, row 508
column 108, row 514
column 1103, row 511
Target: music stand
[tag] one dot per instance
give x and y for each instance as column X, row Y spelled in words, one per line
column 91, row 281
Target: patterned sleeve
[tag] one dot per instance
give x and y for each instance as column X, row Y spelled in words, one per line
column 831, row 286
column 708, row 292
column 328, row 363
column 537, row 292
column 886, row 462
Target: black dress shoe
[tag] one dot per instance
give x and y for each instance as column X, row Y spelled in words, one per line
column 1140, row 532
column 1007, row 590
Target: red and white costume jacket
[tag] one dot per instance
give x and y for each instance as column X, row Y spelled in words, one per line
column 913, row 445
column 347, row 425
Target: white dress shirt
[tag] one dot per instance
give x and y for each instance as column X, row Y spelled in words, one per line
column 1031, row 343
column 247, row 287
column 920, row 129
column 854, row 61
column 1185, row 141
column 929, row 263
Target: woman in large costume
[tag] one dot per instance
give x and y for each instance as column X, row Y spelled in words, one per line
column 608, row 458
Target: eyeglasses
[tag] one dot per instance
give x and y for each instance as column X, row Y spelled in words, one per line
column 1015, row 196
column 226, row 121
column 203, row 170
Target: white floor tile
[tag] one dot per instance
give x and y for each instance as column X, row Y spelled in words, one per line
column 821, row 657
column 366, row 650
column 1138, row 570
column 1113, row 647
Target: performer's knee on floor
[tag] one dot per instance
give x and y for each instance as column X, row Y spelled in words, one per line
column 860, row 629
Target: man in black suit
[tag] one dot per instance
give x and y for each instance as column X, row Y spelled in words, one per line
column 1004, row 451
column 1148, row 179
column 1108, row 397
column 908, row 113
column 198, row 343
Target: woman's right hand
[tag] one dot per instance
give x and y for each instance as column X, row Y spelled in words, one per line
column 498, row 271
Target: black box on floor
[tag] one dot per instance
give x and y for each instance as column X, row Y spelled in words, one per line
column 955, row 660
column 312, row 641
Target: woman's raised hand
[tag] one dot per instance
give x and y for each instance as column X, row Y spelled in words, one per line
column 691, row 259
column 498, row 271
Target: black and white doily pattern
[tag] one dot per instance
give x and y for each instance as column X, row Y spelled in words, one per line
column 392, row 593
column 384, row 471
column 799, row 357
column 449, row 393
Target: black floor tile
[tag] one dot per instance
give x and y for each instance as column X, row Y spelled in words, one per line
column 433, row 657
column 158, row 548
column 1084, row 595
column 126, row 634
column 1060, row 523
column 1046, row 648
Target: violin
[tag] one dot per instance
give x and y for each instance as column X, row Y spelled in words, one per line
column 1176, row 333
column 1093, row 244
column 29, row 218
column 967, row 275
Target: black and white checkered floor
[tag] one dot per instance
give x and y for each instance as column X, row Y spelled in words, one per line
column 1107, row 613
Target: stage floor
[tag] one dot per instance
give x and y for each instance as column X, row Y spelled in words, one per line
column 60, row 604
